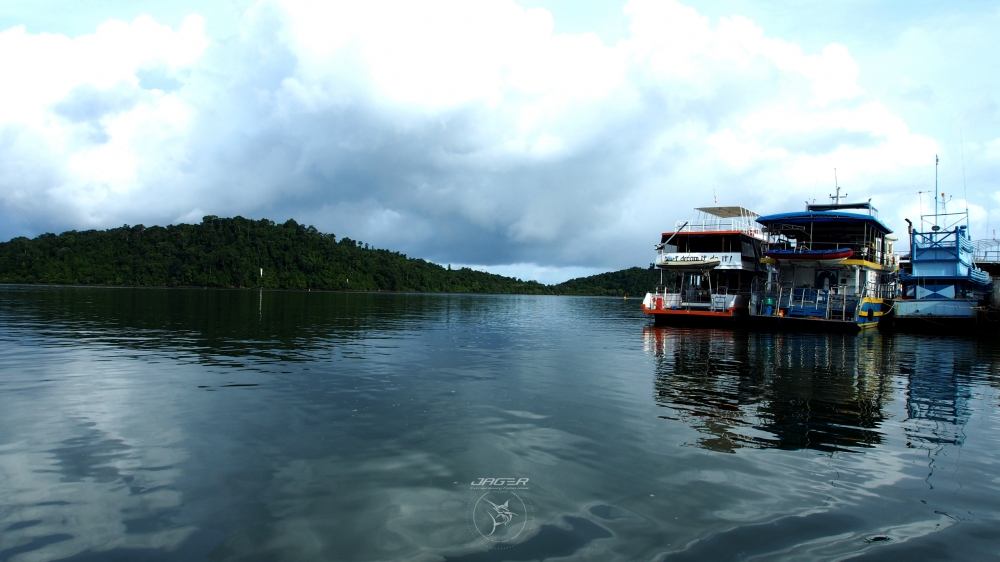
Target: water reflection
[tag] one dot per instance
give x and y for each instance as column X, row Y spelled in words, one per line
column 909, row 411
column 764, row 390
column 226, row 425
column 101, row 485
column 146, row 424
column 938, row 391
column 237, row 328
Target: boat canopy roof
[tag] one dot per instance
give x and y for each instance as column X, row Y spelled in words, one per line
column 717, row 221
column 727, row 212
column 804, row 218
column 867, row 206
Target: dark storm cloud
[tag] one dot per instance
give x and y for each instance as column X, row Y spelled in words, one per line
column 448, row 204
column 438, row 136
column 438, row 180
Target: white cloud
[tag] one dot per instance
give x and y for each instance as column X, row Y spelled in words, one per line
column 460, row 132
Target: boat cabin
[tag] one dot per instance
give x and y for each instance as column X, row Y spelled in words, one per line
column 708, row 263
column 830, row 262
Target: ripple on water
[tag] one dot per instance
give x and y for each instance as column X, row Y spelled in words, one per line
column 350, row 426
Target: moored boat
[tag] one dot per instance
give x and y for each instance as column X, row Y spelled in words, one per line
column 944, row 291
column 831, row 267
column 708, row 267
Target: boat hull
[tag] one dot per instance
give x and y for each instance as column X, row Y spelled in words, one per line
column 671, row 309
column 917, row 309
column 945, row 316
column 806, row 324
column 700, row 318
column 790, row 316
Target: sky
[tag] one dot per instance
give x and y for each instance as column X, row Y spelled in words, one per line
column 542, row 139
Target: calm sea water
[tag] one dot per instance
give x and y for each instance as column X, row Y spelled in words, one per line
column 235, row 425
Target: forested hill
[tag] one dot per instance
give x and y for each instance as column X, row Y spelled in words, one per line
column 633, row 281
column 223, row 252
column 230, row 252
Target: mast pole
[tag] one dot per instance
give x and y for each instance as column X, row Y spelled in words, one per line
column 936, row 160
column 836, row 196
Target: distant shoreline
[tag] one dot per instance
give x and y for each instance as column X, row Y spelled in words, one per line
column 240, row 253
column 287, row 290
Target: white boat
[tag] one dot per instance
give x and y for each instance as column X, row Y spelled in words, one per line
column 707, row 268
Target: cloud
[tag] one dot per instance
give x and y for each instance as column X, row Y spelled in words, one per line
column 454, row 131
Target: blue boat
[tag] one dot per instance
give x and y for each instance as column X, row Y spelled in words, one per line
column 944, row 291
column 830, row 267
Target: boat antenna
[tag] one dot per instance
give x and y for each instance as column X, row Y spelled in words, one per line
column 936, row 161
column 920, row 200
column 965, row 190
column 836, row 196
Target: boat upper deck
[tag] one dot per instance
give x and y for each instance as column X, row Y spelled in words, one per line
column 838, row 216
column 716, row 221
column 943, row 249
column 853, row 226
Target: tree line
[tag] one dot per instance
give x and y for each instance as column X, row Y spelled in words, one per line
column 239, row 252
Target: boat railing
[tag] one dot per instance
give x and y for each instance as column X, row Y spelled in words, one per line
column 987, row 256
column 987, row 251
column 834, row 303
column 719, row 298
column 727, row 224
column 944, row 222
column 704, row 296
column 816, row 245
column 661, row 299
column 939, row 239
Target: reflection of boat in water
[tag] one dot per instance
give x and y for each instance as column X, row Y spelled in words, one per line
column 944, row 291
column 828, row 392
column 901, row 420
column 711, row 263
column 772, row 389
column 937, row 376
column 831, row 268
